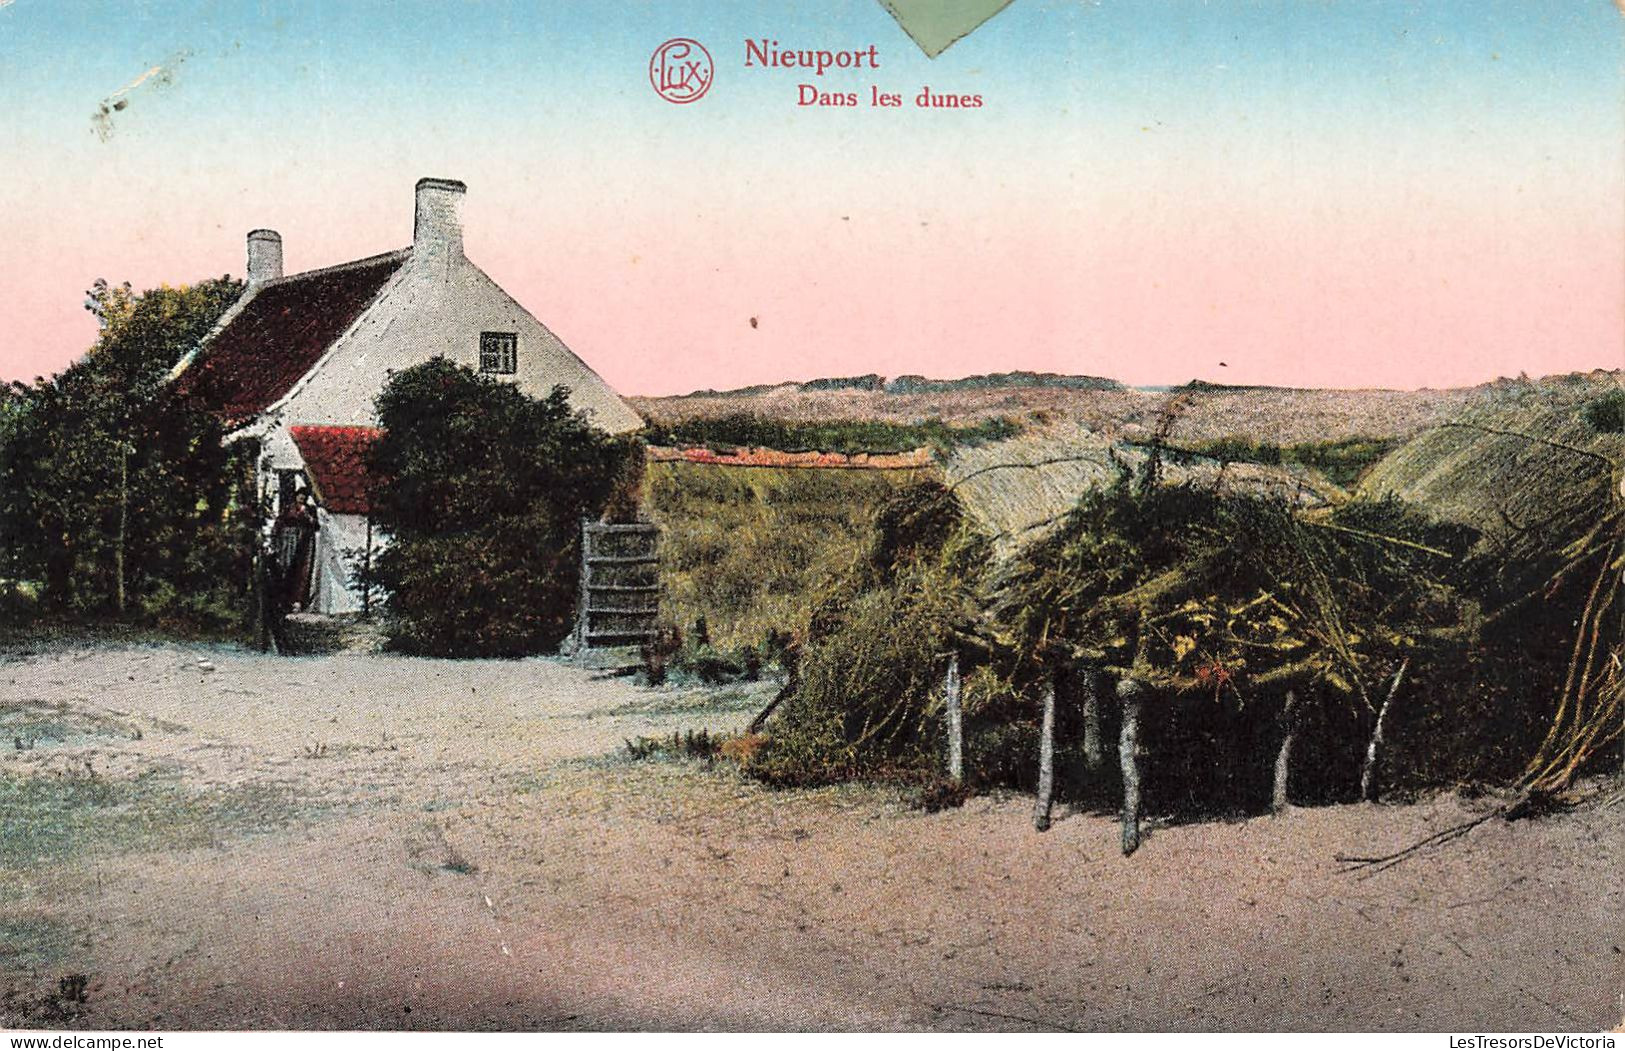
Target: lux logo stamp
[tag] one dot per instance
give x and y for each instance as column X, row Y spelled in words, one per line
column 681, row 70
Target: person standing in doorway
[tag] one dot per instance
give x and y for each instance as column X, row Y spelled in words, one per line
column 293, row 544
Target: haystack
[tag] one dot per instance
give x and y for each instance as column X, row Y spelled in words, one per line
column 1527, row 471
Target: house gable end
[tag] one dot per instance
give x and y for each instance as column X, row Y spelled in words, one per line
column 558, row 364
column 436, row 307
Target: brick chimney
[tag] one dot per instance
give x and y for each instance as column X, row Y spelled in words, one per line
column 437, row 226
column 264, row 256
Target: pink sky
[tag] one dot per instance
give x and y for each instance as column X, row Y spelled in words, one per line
column 659, row 297
column 658, row 291
column 1439, row 216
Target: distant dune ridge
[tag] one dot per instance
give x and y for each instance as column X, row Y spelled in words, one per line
column 999, row 380
column 912, row 384
column 1205, row 410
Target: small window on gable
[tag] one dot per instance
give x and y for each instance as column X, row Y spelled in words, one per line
column 499, row 352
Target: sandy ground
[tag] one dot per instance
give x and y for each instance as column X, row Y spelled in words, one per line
column 468, row 845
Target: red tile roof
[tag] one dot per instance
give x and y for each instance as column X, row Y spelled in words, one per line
column 279, row 334
column 336, row 461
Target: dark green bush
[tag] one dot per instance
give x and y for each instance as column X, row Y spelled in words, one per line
column 741, row 429
column 1606, row 415
column 917, row 521
column 482, row 490
column 708, row 664
column 1342, row 462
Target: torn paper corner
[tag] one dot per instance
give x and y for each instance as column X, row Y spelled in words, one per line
column 936, row 25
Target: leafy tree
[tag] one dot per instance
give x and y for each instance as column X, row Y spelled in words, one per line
column 115, row 495
column 482, row 489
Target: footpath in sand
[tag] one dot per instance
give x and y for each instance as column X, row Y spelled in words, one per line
column 195, row 837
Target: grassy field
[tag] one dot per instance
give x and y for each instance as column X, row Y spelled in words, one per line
column 841, row 436
column 756, row 548
column 50, row 818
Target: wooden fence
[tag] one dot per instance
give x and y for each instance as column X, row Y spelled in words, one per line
column 619, row 600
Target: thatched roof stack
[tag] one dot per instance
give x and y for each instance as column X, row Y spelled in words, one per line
column 1527, row 471
column 1015, row 490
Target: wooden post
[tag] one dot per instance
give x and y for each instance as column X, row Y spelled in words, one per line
column 1132, row 694
column 1093, row 752
column 1046, row 762
column 578, row 644
column 123, row 519
column 956, row 723
column 262, row 598
column 1368, row 773
column 366, row 571
column 1283, row 758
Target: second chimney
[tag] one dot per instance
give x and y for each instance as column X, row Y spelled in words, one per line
column 437, row 226
column 264, row 256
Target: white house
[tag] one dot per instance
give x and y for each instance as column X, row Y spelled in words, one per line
column 296, row 363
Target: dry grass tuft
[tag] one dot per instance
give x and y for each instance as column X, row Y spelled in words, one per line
column 755, row 549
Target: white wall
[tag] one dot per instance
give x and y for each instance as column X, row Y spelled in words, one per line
column 341, row 542
column 439, row 306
